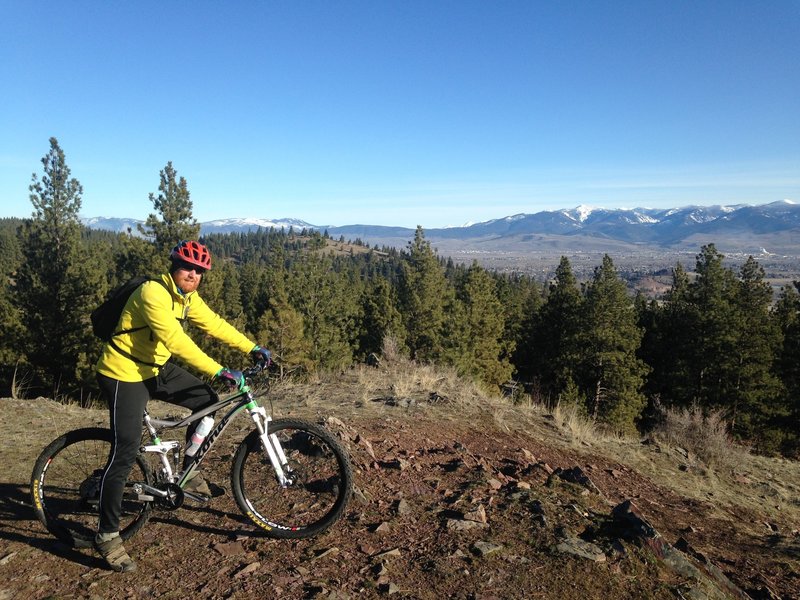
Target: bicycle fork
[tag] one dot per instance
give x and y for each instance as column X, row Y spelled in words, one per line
column 272, row 446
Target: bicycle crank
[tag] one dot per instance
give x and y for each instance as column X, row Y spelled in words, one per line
column 167, row 496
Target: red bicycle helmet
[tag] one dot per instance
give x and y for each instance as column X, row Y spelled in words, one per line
column 193, row 253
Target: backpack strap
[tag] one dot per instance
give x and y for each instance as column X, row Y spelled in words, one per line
column 131, row 356
column 128, row 355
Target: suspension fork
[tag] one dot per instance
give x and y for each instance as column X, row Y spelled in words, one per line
column 270, row 443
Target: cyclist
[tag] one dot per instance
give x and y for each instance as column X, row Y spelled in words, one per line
column 133, row 368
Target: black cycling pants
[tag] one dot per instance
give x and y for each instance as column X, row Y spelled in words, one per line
column 126, row 404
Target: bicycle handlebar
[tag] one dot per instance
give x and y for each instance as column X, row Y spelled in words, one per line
column 248, row 374
column 255, row 369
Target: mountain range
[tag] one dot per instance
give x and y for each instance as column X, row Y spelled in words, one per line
column 772, row 228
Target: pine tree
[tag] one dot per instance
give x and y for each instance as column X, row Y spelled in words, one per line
column 11, row 330
column 174, row 221
column 254, row 281
column 716, row 330
column 281, row 327
column 221, row 291
column 424, row 293
column 136, row 256
column 329, row 306
column 787, row 315
column 669, row 345
column 554, row 344
column 58, row 283
column 756, row 389
column 612, row 372
column 482, row 352
column 521, row 298
column 380, row 317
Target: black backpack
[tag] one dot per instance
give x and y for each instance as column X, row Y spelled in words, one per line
column 106, row 316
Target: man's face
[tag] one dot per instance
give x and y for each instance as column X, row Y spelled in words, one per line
column 187, row 276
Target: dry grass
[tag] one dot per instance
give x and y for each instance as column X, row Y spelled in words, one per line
column 576, row 425
column 703, row 435
column 396, row 381
column 20, row 382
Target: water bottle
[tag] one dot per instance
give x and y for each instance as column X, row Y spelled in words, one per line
column 199, row 435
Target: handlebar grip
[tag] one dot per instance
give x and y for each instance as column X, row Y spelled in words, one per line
column 254, row 370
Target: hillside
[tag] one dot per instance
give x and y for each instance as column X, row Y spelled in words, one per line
column 458, row 496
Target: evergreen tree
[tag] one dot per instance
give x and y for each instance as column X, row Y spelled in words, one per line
column 11, row 340
column 137, row 256
column 10, row 251
column 255, row 281
column 716, row 330
column 521, row 300
column 424, row 293
column 11, row 331
column 281, row 327
column 230, row 296
column 380, row 316
column 329, row 306
column 756, row 391
column 787, row 315
column 482, row 352
column 612, row 372
column 174, row 221
column 58, row 282
column 554, row 345
column 668, row 346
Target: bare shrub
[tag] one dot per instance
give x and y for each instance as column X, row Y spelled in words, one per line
column 391, row 350
column 702, row 434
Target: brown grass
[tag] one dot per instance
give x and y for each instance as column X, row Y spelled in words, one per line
column 703, row 435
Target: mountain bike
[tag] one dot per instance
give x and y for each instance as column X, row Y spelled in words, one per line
column 289, row 477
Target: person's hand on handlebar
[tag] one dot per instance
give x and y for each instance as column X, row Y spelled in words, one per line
column 262, row 356
column 232, row 379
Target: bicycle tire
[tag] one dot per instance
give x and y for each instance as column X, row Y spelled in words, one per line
column 321, row 472
column 65, row 487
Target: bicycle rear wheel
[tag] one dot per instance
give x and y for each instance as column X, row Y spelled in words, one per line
column 318, row 466
column 65, row 487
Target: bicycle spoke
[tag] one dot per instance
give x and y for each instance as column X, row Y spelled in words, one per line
column 319, row 482
column 66, row 487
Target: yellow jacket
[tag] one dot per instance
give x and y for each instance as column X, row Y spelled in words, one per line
column 160, row 313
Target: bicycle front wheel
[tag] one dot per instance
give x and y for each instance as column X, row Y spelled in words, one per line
column 65, row 487
column 320, row 474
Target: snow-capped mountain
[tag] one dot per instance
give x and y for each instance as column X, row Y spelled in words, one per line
column 770, row 226
column 247, row 224
column 217, row 226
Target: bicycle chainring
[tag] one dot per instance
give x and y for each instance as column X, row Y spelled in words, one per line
column 174, row 498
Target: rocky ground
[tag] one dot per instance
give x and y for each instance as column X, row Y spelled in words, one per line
column 454, row 499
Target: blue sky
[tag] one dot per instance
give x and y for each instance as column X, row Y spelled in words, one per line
column 429, row 113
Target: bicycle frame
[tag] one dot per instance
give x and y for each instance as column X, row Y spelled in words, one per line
column 240, row 401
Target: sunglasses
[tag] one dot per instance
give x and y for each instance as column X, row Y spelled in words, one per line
column 190, row 267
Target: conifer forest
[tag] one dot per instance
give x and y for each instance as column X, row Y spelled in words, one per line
column 717, row 340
